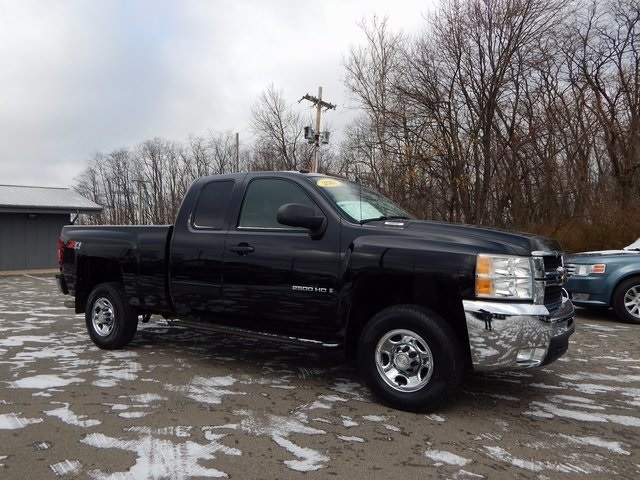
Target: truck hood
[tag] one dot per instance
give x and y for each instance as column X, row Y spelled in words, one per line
column 489, row 240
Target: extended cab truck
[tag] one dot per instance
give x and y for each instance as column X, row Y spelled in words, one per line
column 323, row 261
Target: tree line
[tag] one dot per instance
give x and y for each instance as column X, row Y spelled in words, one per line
column 518, row 114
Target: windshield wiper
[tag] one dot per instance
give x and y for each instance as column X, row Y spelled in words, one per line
column 383, row 218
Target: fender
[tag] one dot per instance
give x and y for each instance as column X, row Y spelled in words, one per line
column 382, row 270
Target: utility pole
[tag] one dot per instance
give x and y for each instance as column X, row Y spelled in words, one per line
column 319, row 104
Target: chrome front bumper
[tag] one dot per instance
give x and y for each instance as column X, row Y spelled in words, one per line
column 505, row 336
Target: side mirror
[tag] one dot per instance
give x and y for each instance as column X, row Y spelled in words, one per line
column 303, row 216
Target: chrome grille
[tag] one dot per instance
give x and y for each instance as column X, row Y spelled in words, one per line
column 552, row 294
column 552, row 262
column 552, row 276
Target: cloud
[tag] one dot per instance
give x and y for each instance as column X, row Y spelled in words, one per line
column 80, row 77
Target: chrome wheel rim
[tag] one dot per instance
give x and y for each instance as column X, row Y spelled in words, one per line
column 632, row 301
column 103, row 317
column 404, row 360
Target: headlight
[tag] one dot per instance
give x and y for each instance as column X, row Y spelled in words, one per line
column 584, row 270
column 504, row 276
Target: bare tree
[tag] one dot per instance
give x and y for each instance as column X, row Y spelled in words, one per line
column 196, row 156
column 222, row 147
column 473, row 79
column 380, row 146
column 153, row 177
column 89, row 184
column 108, row 181
column 279, row 143
column 607, row 62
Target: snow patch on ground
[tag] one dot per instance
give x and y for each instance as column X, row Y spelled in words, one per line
column 43, row 382
column 447, row 457
column 161, row 458
column 12, row 421
column 550, row 410
column 68, row 417
column 66, row 468
column 278, row 428
column 615, row 447
column 20, row 340
column 538, row 466
column 351, row 439
column 206, row 390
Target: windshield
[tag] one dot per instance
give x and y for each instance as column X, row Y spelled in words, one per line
column 358, row 203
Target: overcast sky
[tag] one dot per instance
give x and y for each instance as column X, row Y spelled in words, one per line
column 84, row 76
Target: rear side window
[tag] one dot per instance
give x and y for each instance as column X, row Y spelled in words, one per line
column 263, row 199
column 212, row 205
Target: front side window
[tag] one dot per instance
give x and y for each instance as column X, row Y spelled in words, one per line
column 264, row 197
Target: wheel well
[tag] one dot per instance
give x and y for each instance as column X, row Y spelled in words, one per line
column 93, row 271
column 619, row 282
column 373, row 293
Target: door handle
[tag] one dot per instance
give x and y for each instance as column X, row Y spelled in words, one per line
column 242, row 248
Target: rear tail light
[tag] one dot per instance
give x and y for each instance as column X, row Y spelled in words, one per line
column 60, row 252
column 71, row 245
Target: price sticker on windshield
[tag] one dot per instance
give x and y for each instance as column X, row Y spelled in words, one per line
column 328, row 182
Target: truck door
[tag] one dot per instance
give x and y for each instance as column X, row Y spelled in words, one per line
column 277, row 278
column 196, row 253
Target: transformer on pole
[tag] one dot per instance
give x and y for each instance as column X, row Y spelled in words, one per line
column 316, row 137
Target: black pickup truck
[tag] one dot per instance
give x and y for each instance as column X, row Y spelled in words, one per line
column 323, row 261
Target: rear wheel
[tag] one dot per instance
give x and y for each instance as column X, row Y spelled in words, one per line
column 110, row 321
column 410, row 358
column 626, row 300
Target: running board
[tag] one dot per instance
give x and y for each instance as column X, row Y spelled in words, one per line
column 210, row 327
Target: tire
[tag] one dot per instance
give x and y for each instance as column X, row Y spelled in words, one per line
column 626, row 300
column 110, row 321
column 410, row 358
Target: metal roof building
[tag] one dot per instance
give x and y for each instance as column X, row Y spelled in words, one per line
column 30, row 222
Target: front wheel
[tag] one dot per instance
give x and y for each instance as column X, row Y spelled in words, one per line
column 410, row 358
column 626, row 300
column 110, row 321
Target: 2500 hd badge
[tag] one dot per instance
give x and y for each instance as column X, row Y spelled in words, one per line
column 302, row 288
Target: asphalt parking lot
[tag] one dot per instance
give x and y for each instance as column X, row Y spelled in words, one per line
column 178, row 404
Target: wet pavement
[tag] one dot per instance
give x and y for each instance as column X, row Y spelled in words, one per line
column 178, row 404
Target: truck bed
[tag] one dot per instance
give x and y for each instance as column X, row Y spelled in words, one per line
column 138, row 252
